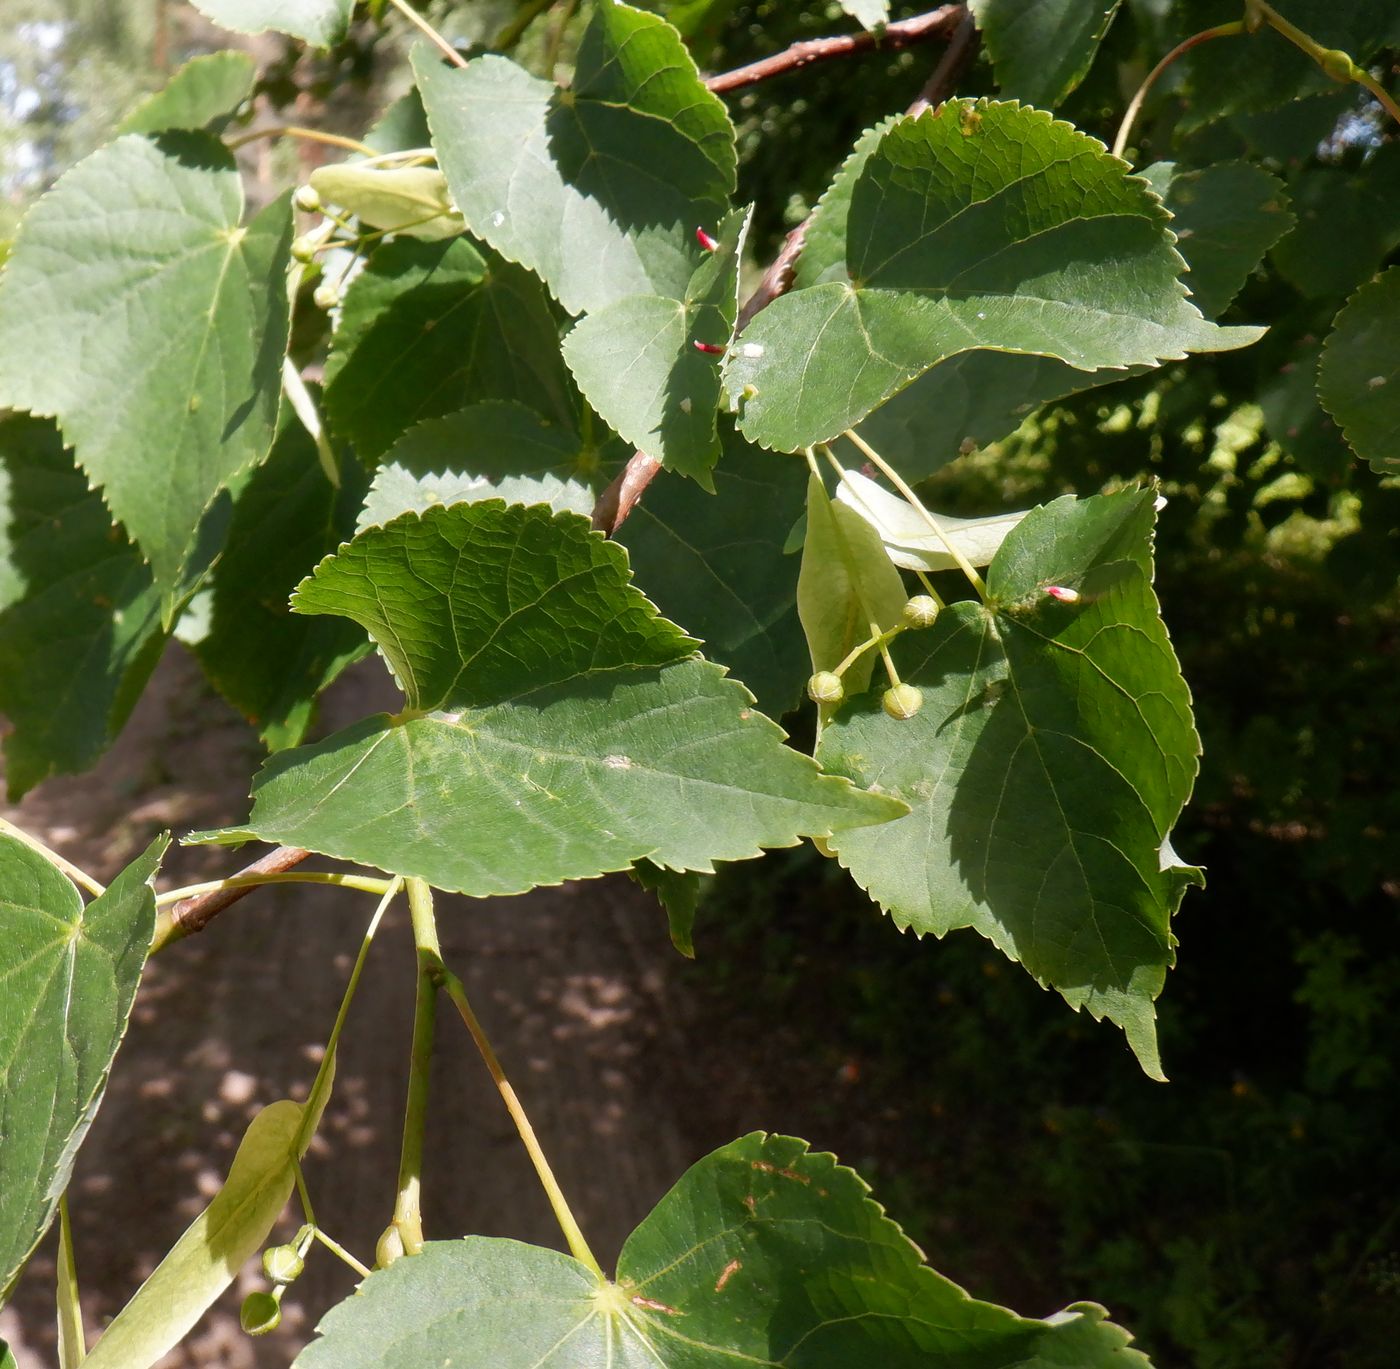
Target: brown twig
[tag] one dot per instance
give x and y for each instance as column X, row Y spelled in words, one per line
column 939, row 86
column 194, row 914
column 901, row 34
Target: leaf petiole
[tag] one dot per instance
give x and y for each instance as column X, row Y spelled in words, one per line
column 77, row 875
column 364, row 883
column 429, row 32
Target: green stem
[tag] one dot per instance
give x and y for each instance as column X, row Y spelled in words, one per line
column 72, row 871
column 556, row 39
column 72, row 1345
column 877, row 639
column 408, row 1207
column 342, row 1253
column 305, row 409
column 310, row 135
column 514, row 31
column 364, row 883
column 307, row 1211
column 929, row 589
column 902, row 485
column 429, row 32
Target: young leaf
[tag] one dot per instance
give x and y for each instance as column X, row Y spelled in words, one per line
column 485, row 451
column 79, row 617
column 979, row 226
column 121, row 330
column 69, row 981
column 429, row 327
column 679, row 892
column 1042, row 49
column 546, row 700
column 214, row 1247
column 322, row 22
column 596, row 189
column 762, row 1254
column 202, row 94
column 848, row 585
column 1359, row 375
column 1051, row 759
column 870, row 14
column 411, row 201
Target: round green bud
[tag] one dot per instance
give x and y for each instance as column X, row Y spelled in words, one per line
column 902, row 701
column 325, row 297
column 825, row 687
column 260, row 1313
column 1338, row 65
column 303, row 250
column 389, row 1247
column 921, row 611
column 282, row 1263
column 306, row 198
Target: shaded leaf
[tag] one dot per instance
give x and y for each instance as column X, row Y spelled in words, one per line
column 1359, row 375
column 79, row 617
column 543, row 686
column 429, row 327
column 597, row 189
column 1051, row 759
column 322, row 22
column 762, row 1254
column 679, row 892
column 411, row 201
column 979, row 226
column 204, row 93
column 1294, row 416
column 1042, row 49
column 121, row 329
column 69, row 978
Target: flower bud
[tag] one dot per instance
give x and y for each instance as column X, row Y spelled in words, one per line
column 1065, row 596
column 325, row 297
column 389, row 1247
column 306, row 198
column 282, row 1263
column 303, row 249
column 260, row 1313
column 921, row 611
column 902, row 701
column 706, row 241
column 825, row 687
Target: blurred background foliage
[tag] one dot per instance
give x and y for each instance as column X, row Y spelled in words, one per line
column 1248, row 1214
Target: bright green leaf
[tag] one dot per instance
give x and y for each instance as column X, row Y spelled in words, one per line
column 556, row 727
column 717, row 565
column 597, row 189
column 411, row 201
column 979, row 226
column 429, row 327
column 322, row 22
column 79, row 618
column 203, row 93
column 1051, row 759
column 1042, row 49
column 69, row 978
column 485, row 451
column 7, row 1358
column 1359, row 375
column 135, row 304
column 848, row 585
column 214, row 1247
column 762, row 1254
column 679, row 892
column 1225, row 217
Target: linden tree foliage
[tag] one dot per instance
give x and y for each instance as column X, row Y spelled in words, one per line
column 505, row 394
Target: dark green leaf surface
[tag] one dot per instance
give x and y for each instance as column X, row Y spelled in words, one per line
column 68, row 979
column 266, row 661
column 134, row 304
column 679, row 893
column 763, row 1254
column 79, row 617
column 202, row 94
column 1042, row 49
column 985, row 226
column 556, row 727
column 599, row 189
column 1225, row 217
column 322, row 22
column 1051, row 759
column 485, row 451
column 716, row 565
column 1294, row 415
column 1359, row 376
column 429, row 327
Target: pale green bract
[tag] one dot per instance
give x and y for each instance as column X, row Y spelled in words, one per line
column 411, row 201
column 764, row 1253
column 1359, row 375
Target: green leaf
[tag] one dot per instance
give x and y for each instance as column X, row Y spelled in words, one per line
column 597, row 189
column 762, row 1254
column 403, row 127
column 429, row 327
column 979, row 226
column 322, row 22
column 1042, row 49
column 679, row 892
column 556, row 727
column 1225, row 217
column 267, row 662
column 409, row 200
column 485, row 451
column 79, row 618
column 1294, row 416
column 1359, row 375
column 204, row 93
column 214, row 1247
column 7, row 1358
column 718, row 566
column 637, row 363
column 135, row 304
column 69, row 979
column 869, row 14
column 1051, row 759
column 847, row 583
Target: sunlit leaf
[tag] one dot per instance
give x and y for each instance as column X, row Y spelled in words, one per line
column 203, row 93
column 322, row 22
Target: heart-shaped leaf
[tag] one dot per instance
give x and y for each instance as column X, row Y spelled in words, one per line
column 203, row 94
column 1042, row 49
column 1359, row 375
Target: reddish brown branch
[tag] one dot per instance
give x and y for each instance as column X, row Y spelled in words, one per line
column 904, row 33
column 194, row 914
